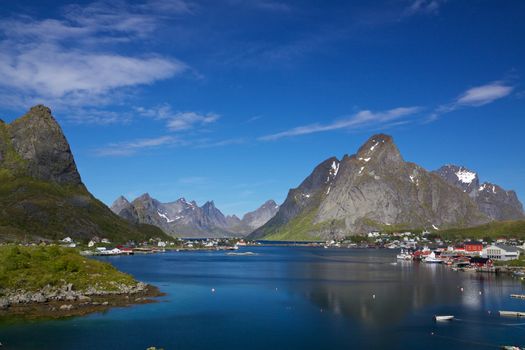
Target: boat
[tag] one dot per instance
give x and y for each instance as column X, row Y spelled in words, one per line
column 444, row 318
column 431, row 259
column 511, row 347
column 404, row 255
column 512, row 313
column 518, row 296
column 241, row 254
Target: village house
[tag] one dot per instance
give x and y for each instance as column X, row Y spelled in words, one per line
column 501, row 252
column 473, row 247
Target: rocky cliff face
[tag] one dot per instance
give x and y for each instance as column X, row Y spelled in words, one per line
column 43, row 152
column 491, row 199
column 42, row 196
column 182, row 218
column 372, row 189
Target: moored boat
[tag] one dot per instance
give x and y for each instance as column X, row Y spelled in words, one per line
column 432, row 259
column 444, row 318
column 512, row 313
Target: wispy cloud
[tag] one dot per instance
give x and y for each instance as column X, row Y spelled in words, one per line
column 178, row 121
column 74, row 60
column 129, row 148
column 361, row 119
column 187, row 120
column 424, row 7
column 482, row 95
column 474, row 97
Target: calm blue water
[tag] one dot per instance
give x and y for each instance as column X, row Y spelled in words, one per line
column 291, row 298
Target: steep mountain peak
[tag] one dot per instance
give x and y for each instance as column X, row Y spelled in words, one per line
column 380, row 147
column 42, row 147
column 460, row 177
column 144, row 197
column 120, row 201
column 269, row 204
column 209, row 204
column 491, row 199
column 261, row 215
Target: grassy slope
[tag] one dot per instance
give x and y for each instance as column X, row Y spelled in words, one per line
column 496, row 229
column 32, row 209
column 32, row 268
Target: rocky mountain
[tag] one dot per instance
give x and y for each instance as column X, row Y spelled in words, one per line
column 41, row 192
column 492, row 200
column 261, row 215
column 372, row 189
column 460, row 177
column 183, row 218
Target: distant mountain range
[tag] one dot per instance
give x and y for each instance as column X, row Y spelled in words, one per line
column 377, row 189
column 183, row 218
column 41, row 192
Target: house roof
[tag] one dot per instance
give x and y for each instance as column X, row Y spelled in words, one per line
column 508, row 248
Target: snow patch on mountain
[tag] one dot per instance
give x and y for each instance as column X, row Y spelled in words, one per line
column 465, row 176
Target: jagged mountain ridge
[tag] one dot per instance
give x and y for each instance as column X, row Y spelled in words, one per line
column 41, row 192
column 183, row 218
column 373, row 189
column 492, row 200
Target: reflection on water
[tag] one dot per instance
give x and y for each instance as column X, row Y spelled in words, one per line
column 292, row 298
column 370, row 288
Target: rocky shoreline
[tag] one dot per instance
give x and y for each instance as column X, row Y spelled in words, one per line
column 65, row 301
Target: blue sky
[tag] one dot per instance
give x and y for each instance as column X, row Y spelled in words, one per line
column 237, row 101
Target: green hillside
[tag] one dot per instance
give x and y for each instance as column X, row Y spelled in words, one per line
column 32, row 209
column 492, row 230
column 33, row 268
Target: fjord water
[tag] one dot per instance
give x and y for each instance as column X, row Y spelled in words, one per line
column 291, row 298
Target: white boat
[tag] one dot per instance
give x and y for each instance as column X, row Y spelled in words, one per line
column 444, row 318
column 431, row 259
column 512, row 313
column 404, row 255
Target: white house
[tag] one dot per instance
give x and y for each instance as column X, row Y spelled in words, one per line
column 501, row 252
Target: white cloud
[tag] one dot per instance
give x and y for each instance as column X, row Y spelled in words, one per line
column 481, row 95
column 187, row 120
column 72, row 62
column 51, row 71
column 474, row 97
column 361, row 119
column 132, row 147
column 178, row 121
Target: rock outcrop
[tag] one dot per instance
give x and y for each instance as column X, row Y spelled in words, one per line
column 43, row 151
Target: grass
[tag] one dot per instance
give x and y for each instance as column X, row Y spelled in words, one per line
column 492, row 230
column 32, row 268
column 301, row 228
column 32, row 209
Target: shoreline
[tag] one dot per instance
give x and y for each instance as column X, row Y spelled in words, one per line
column 65, row 302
